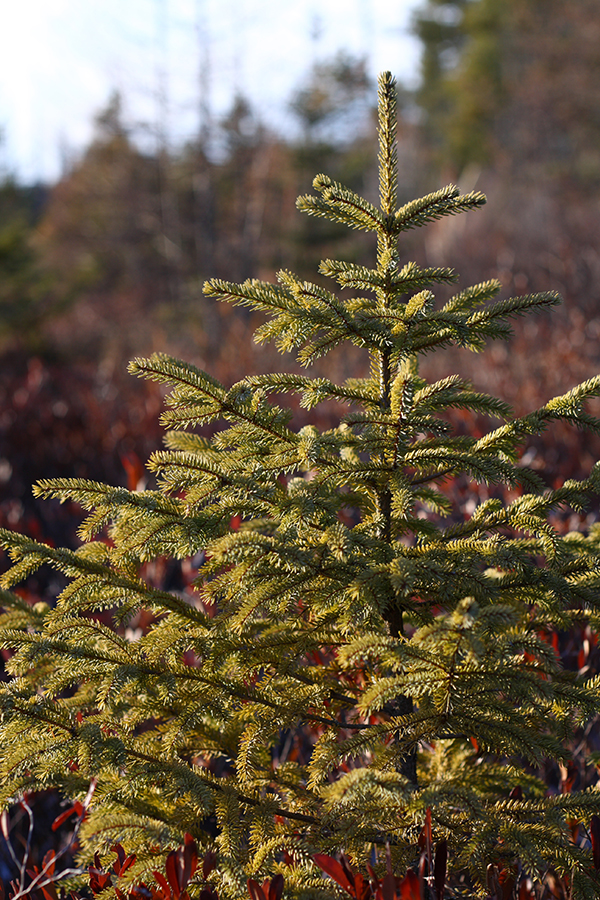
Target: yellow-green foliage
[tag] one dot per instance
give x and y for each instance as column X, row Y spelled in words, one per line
column 357, row 611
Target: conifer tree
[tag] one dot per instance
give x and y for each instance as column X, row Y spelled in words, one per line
column 359, row 654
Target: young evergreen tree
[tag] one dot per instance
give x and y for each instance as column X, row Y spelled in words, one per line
column 359, row 655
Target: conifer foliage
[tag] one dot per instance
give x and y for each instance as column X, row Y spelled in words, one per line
column 359, row 661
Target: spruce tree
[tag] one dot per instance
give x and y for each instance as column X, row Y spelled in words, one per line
column 360, row 655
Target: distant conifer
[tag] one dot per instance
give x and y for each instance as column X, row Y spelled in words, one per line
column 359, row 654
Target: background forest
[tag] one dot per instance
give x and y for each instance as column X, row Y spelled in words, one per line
column 108, row 263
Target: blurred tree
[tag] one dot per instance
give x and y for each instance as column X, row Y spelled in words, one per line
column 135, row 234
column 25, row 286
column 144, row 230
column 102, row 232
column 334, row 93
column 509, row 103
column 334, row 109
column 513, row 84
column 22, row 286
column 241, row 177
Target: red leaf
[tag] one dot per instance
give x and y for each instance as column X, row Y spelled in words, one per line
column 49, row 892
column 506, row 879
column 372, row 873
column 388, row 887
column 525, row 892
column 569, row 777
column 118, row 849
column 127, row 863
column 573, row 829
column 61, row 818
column 99, row 881
column 76, row 809
column 173, row 874
column 190, row 857
column 492, row 881
column 133, row 468
column 425, row 836
column 409, row 887
column 423, row 865
column 209, row 863
column 439, row 869
column 362, row 888
column 164, row 885
column 347, row 868
column 516, row 793
column 595, row 835
column 49, row 862
column 255, row 890
column 276, row 887
column 333, row 868
column 140, row 892
column 208, row 893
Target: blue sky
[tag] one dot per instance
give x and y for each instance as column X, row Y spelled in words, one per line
column 60, row 60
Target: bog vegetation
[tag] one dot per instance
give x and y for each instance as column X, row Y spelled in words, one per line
column 357, row 681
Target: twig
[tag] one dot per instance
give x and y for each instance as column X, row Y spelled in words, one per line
column 42, row 879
